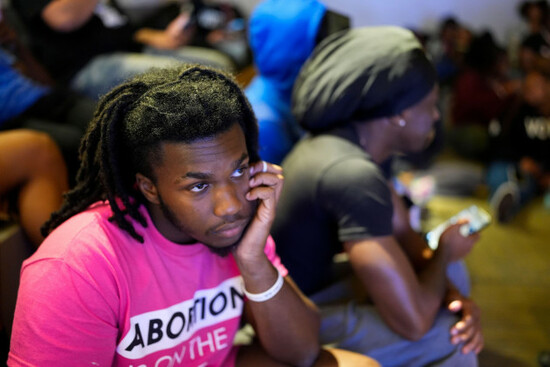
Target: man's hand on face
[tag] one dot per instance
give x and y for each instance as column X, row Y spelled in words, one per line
column 266, row 183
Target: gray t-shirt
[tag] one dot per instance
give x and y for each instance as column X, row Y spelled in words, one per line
column 332, row 193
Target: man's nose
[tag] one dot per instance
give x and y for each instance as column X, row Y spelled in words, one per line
column 227, row 201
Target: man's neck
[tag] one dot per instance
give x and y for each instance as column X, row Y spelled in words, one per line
column 373, row 140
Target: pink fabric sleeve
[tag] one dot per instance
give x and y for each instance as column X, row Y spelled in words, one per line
column 273, row 257
column 69, row 321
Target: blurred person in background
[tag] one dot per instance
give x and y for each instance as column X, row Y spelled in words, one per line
column 520, row 166
column 105, row 47
column 31, row 99
column 282, row 34
column 480, row 94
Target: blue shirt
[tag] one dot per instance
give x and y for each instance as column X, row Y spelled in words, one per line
column 17, row 92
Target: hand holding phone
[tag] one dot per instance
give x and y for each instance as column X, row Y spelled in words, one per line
column 477, row 218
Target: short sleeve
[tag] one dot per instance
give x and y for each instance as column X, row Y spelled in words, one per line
column 61, row 319
column 356, row 195
column 273, row 257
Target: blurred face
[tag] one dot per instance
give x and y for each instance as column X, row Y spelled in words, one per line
column 533, row 89
column 534, row 18
column 420, row 120
column 199, row 194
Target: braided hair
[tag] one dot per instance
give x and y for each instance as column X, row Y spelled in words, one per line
column 181, row 104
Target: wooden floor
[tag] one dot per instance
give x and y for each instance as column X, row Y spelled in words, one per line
column 510, row 274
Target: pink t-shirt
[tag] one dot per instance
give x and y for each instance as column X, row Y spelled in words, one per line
column 94, row 296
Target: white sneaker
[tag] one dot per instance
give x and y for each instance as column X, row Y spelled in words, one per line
column 505, row 201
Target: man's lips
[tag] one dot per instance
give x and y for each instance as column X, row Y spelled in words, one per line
column 231, row 229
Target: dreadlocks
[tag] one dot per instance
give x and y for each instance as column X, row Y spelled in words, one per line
column 182, row 104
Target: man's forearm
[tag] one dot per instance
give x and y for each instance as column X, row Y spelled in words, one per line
column 288, row 323
column 68, row 15
column 416, row 249
column 433, row 282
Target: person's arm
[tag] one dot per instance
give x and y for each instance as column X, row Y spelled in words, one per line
column 412, row 243
column 468, row 329
column 176, row 34
column 407, row 302
column 68, row 15
column 404, row 278
column 287, row 324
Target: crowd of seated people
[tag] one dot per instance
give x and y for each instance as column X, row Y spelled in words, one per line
column 299, row 49
column 106, row 47
column 496, row 111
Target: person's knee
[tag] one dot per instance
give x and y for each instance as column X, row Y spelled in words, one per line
column 44, row 152
column 41, row 156
column 343, row 358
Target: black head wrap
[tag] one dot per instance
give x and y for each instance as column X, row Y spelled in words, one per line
column 361, row 74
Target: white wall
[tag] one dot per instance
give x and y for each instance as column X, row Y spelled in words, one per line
column 499, row 16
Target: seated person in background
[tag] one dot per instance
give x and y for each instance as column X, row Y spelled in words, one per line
column 282, row 35
column 534, row 48
column 33, row 179
column 520, row 167
column 218, row 25
column 480, row 94
column 164, row 243
column 535, row 15
column 365, row 95
column 92, row 46
column 30, row 99
column 446, row 50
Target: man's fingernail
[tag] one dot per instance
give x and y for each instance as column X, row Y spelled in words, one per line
column 454, row 305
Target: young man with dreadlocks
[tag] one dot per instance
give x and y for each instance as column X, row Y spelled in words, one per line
column 164, row 242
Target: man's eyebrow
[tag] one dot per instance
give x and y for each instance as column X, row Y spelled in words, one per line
column 197, row 175
column 240, row 161
column 206, row 176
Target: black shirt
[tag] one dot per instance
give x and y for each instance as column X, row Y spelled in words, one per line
column 333, row 193
column 64, row 53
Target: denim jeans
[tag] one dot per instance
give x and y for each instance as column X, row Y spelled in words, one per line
column 106, row 71
column 356, row 326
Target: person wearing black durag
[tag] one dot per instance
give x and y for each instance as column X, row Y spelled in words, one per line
column 363, row 96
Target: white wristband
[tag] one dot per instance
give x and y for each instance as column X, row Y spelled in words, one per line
column 267, row 295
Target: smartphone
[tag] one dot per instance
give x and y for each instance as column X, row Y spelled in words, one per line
column 478, row 219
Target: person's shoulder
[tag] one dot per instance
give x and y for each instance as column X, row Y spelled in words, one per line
column 85, row 230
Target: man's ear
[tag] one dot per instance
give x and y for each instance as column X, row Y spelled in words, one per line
column 147, row 188
column 397, row 121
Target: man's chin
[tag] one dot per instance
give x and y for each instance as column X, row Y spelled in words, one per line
column 224, row 250
column 225, row 246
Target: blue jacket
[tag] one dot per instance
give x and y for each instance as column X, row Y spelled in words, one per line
column 17, row 93
column 282, row 35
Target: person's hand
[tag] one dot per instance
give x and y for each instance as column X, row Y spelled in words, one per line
column 174, row 36
column 467, row 331
column 266, row 183
column 455, row 243
column 179, row 29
